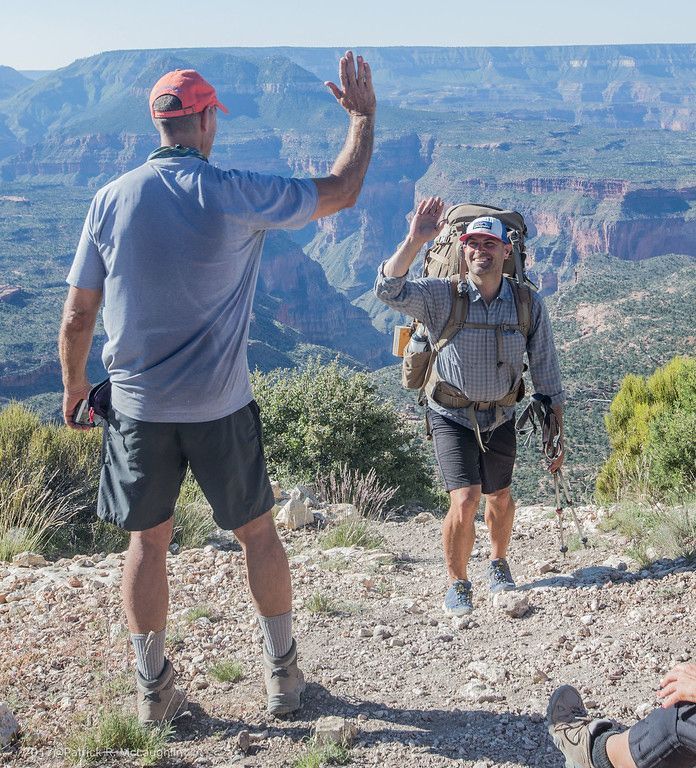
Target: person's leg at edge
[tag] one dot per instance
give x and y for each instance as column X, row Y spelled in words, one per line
column 618, row 751
column 458, row 532
column 499, row 516
column 268, row 577
column 145, row 594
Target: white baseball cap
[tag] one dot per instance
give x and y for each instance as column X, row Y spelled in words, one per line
column 486, row 225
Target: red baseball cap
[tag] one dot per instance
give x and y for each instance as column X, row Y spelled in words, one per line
column 194, row 92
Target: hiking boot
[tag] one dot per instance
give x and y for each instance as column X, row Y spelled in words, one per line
column 284, row 681
column 158, row 700
column 499, row 576
column 571, row 729
column 458, row 599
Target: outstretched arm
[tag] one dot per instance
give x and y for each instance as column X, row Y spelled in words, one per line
column 425, row 225
column 74, row 342
column 357, row 96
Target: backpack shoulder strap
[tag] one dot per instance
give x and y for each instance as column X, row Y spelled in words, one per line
column 455, row 321
column 457, row 315
column 522, row 295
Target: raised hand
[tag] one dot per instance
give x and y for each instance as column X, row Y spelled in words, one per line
column 356, row 94
column 427, row 223
column 679, row 684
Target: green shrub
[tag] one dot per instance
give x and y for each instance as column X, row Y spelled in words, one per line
column 654, row 531
column 227, row 671
column 351, row 534
column 321, row 603
column 58, row 470
column 116, row 732
column 651, row 423
column 319, row 755
column 323, row 417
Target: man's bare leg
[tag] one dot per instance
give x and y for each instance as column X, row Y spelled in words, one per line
column 144, row 587
column 499, row 516
column 268, row 572
column 458, row 532
column 618, row 751
column 145, row 594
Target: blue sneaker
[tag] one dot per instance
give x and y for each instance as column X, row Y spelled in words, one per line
column 499, row 576
column 458, row 600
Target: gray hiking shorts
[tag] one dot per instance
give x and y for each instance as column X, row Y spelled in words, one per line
column 144, row 463
column 666, row 738
column 461, row 461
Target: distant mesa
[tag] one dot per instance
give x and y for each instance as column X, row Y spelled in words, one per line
column 12, row 294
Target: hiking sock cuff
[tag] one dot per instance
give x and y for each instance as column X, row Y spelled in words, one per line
column 277, row 633
column 149, row 653
column 600, row 758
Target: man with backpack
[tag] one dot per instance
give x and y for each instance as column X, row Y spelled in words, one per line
column 473, row 380
column 174, row 247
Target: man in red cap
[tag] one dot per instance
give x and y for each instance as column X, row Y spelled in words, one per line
column 173, row 247
column 472, row 422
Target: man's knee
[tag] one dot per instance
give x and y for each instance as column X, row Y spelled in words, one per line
column 501, row 498
column 153, row 540
column 259, row 531
column 464, row 502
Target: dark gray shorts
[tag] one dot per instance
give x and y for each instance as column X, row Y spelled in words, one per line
column 666, row 738
column 461, row 461
column 144, row 463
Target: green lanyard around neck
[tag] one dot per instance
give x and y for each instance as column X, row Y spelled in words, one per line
column 176, row 151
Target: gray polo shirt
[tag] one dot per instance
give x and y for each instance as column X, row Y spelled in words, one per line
column 175, row 246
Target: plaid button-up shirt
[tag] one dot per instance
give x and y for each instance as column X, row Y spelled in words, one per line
column 469, row 360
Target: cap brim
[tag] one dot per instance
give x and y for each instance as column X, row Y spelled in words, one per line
column 221, row 106
column 465, row 237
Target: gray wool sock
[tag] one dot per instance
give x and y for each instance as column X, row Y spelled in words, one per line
column 277, row 633
column 149, row 653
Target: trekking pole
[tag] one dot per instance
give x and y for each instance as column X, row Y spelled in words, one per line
column 571, row 506
column 539, row 415
column 559, row 512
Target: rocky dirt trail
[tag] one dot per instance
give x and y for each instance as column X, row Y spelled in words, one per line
column 422, row 689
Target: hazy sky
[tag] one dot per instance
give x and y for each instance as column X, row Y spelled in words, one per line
column 45, row 34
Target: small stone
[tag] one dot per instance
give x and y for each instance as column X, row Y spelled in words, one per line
column 294, row 513
column 381, row 632
column 539, row 676
column 514, row 604
column 396, row 642
column 644, row 709
column 365, row 632
column 424, row 517
column 462, row 622
column 334, row 730
column 491, row 673
column 479, row 693
column 548, row 567
column 277, row 490
column 587, row 619
column 74, row 581
column 29, row 560
column 9, row 727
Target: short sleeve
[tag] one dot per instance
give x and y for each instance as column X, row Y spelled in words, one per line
column 88, row 270
column 272, row 202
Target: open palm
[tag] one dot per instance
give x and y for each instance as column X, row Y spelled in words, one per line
column 427, row 222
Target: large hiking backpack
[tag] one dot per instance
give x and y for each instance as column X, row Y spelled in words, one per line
column 443, row 259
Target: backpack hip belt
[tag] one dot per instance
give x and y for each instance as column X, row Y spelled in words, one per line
column 450, row 397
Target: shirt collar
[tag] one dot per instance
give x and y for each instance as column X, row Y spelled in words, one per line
column 505, row 293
